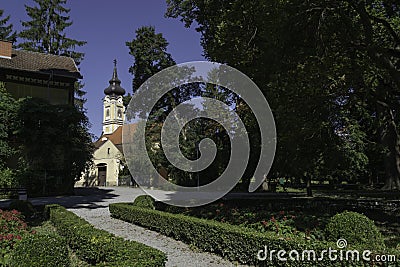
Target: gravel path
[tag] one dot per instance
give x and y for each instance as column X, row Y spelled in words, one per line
column 97, row 213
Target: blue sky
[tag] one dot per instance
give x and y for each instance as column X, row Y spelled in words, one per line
column 106, row 26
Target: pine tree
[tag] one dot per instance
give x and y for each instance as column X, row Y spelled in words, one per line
column 6, row 31
column 149, row 51
column 45, row 33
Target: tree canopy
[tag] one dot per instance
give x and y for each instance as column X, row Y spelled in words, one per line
column 149, row 51
column 6, row 30
column 330, row 71
column 45, row 32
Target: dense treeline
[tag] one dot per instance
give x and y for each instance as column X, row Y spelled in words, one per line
column 330, row 71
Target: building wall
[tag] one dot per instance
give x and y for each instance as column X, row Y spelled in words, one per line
column 57, row 90
column 113, row 113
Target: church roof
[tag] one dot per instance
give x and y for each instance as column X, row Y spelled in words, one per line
column 115, row 84
column 39, row 62
column 115, row 137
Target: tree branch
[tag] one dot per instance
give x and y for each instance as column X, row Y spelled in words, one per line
column 387, row 25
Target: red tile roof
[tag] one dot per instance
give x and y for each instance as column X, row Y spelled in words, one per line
column 115, row 137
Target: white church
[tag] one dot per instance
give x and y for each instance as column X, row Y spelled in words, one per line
column 108, row 156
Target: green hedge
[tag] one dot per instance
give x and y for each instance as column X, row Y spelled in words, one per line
column 356, row 228
column 98, row 247
column 144, row 201
column 234, row 243
column 40, row 250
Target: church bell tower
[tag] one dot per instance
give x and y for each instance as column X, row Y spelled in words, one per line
column 113, row 106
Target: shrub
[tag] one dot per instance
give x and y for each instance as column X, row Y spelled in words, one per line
column 8, row 178
column 100, row 247
column 40, row 250
column 232, row 242
column 144, row 201
column 356, row 229
column 25, row 207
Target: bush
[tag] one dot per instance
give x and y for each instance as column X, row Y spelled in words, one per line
column 100, row 247
column 8, row 178
column 25, row 207
column 40, row 250
column 144, row 201
column 356, row 228
column 235, row 243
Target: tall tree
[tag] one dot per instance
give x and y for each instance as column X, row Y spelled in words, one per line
column 328, row 69
column 6, row 31
column 149, row 51
column 45, row 33
column 57, row 147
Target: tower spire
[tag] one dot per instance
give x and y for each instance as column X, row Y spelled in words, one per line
column 114, row 89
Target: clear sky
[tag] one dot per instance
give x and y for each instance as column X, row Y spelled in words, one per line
column 106, row 26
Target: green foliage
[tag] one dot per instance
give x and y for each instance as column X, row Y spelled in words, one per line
column 23, row 206
column 46, row 33
column 329, row 71
column 356, row 228
column 99, row 247
column 232, row 242
column 6, row 31
column 8, row 178
column 64, row 129
column 144, row 201
column 40, row 250
column 8, row 113
column 287, row 224
column 149, row 50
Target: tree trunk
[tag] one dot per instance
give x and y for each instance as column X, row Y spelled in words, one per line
column 309, row 190
column 390, row 140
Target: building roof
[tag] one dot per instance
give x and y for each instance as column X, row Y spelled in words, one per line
column 115, row 137
column 39, row 62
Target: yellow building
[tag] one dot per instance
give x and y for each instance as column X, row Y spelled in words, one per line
column 108, row 154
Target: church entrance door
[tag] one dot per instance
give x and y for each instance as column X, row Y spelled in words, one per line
column 102, row 175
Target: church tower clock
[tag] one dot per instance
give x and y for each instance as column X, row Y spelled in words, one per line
column 113, row 106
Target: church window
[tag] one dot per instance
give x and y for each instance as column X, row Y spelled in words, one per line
column 107, row 113
column 119, row 113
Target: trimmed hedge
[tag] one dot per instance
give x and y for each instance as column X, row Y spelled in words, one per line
column 234, row 243
column 98, row 247
column 144, row 201
column 40, row 250
column 356, row 228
